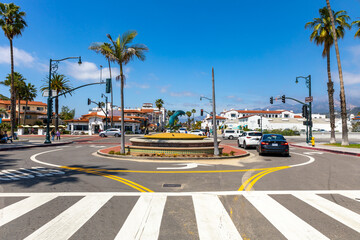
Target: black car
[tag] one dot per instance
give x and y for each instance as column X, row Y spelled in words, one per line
column 273, row 143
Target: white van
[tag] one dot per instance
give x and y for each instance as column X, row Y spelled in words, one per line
column 231, row 133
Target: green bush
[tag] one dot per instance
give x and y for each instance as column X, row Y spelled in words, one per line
column 232, row 153
column 112, row 152
column 225, row 154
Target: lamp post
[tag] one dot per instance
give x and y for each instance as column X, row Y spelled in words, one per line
column 309, row 120
column 106, row 111
column 53, row 67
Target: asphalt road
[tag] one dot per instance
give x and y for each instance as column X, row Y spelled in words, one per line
column 69, row 192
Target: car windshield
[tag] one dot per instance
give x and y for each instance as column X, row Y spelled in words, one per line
column 230, row 131
column 255, row 134
column 273, row 137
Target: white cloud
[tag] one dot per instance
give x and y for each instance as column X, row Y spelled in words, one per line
column 21, row 57
column 349, row 78
column 234, row 98
column 164, row 89
column 182, row 94
column 89, row 71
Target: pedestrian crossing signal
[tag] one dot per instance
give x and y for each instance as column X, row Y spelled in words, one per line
column 283, row 98
column 202, row 112
column 108, row 85
column 271, row 100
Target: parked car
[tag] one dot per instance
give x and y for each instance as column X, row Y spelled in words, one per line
column 250, row 138
column 231, row 134
column 182, row 130
column 273, row 143
column 110, row 132
column 197, row 132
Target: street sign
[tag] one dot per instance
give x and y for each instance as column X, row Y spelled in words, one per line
column 309, row 99
column 46, row 93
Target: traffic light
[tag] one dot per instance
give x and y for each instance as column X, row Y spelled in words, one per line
column 305, row 111
column 89, row 101
column 108, row 85
column 283, row 98
column 271, row 100
column 201, row 112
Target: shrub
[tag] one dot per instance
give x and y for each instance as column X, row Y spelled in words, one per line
column 232, row 153
column 112, row 152
column 117, row 153
column 225, row 154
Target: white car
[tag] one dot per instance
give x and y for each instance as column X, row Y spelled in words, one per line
column 250, row 138
column 110, row 132
column 197, row 132
column 182, row 130
column 231, row 134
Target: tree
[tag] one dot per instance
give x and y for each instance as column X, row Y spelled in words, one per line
column 2, row 97
column 28, row 94
column 60, row 84
column 66, row 113
column 322, row 35
column 345, row 139
column 19, row 84
column 12, row 23
column 106, row 49
column 193, row 111
column 122, row 53
column 188, row 113
column 357, row 24
column 159, row 103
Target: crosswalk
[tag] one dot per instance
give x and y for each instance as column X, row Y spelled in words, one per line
column 181, row 215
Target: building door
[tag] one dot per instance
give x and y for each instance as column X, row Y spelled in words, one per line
column 96, row 129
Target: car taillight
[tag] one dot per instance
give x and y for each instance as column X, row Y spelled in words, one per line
column 285, row 143
column 264, row 143
column 248, row 137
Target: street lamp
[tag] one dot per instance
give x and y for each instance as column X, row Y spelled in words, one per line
column 309, row 122
column 106, row 111
column 53, row 67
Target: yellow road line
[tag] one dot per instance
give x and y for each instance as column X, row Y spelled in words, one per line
column 113, row 177
column 242, row 187
column 250, row 185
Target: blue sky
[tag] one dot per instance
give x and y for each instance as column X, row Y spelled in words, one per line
column 257, row 48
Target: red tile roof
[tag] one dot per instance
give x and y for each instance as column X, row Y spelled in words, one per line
column 246, row 116
column 22, row 102
column 217, row 117
column 259, row 111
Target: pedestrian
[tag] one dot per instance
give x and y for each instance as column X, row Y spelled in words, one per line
column 52, row 135
column 58, row 135
column 6, row 138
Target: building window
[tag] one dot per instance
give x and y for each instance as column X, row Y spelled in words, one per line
column 233, row 115
column 27, row 108
column 27, row 116
column 286, row 115
column 81, row 127
column 40, row 108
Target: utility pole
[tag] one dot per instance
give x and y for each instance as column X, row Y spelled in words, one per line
column 216, row 147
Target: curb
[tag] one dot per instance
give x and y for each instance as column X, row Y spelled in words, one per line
column 126, row 157
column 328, row 150
column 34, row 146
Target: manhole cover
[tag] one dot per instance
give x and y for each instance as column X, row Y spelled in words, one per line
column 171, row 185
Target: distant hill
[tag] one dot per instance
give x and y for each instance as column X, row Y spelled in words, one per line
column 2, row 97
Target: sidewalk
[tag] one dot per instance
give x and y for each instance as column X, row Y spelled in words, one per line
column 320, row 146
column 23, row 143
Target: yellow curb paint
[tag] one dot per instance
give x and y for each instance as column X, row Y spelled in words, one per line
column 113, row 177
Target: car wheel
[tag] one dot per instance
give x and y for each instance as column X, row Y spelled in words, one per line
column 231, row 137
column 244, row 145
column 102, row 135
column 117, row 135
column 239, row 145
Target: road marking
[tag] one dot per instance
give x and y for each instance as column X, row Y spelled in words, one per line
column 339, row 213
column 17, row 209
column 144, row 219
column 33, row 158
column 212, row 220
column 280, row 217
column 68, row 222
column 249, row 187
column 312, row 153
column 187, row 166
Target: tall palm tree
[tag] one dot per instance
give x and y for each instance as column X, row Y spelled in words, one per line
column 60, row 84
column 19, row 83
column 12, row 23
column 188, row 113
column 122, row 53
column 105, row 49
column 193, row 111
column 345, row 139
column 159, row 104
column 29, row 94
column 357, row 24
column 322, row 35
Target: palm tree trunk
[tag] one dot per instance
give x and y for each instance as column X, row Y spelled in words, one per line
column 122, row 150
column 18, row 97
column 26, row 104
column 345, row 139
column 111, row 93
column 13, row 101
column 330, row 86
column 56, row 113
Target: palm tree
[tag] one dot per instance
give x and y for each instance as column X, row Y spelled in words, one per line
column 122, row 53
column 345, row 139
column 357, row 23
column 29, row 94
column 60, row 84
column 12, row 23
column 193, row 111
column 159, row 103
column 105, row 49
column 19, row 83
column 188, row 113
column 322, row 35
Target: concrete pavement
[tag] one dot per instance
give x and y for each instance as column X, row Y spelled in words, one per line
column 321, row 146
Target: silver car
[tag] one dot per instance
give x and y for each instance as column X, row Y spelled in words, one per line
column 110, row 132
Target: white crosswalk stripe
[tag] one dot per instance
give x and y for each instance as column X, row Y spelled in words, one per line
column 211, row 219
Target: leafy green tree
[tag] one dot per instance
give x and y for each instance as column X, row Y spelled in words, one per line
column 66, row 113
column 12, row 23
column 122, row 53
column 322, row 35
column 357, row 24
column 19, row 84
column 28, row 93
column 188, row 114
column 2, row 97
column 60, row 84
column 159, row 103
column 105, row 49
